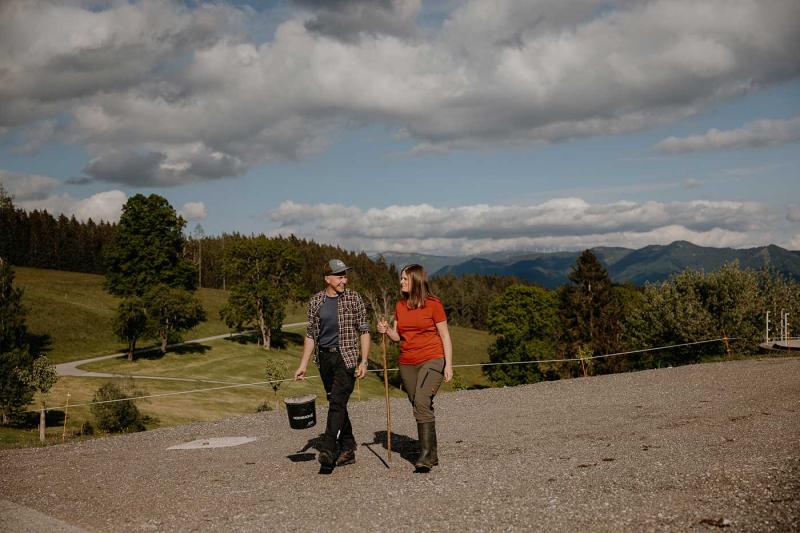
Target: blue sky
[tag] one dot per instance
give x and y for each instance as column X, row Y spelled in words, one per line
column 444, row 128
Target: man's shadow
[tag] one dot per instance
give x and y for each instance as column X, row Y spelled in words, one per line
column 403, row 445
column 304, row 455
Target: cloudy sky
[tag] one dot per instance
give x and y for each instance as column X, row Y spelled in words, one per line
column 448, row 127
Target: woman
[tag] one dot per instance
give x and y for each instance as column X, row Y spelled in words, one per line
column 426, row 354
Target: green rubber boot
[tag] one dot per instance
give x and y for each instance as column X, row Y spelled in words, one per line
column 428, row 456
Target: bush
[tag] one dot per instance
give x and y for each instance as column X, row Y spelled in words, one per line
column 121, row 416
column 266, row 406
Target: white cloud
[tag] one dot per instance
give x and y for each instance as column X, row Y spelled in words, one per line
column 692, row 183
column 793, row 213
column 162, row 94
column 558, row 223
column 106, row 206
column 193, row 211
column 794, row 244
column 753, row 135
column 27, row 186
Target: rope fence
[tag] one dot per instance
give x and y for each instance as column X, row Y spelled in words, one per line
column 260, row 383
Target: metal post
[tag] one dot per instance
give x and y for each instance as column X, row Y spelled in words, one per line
column 786, row 325
column 781, row 330
column 767, row 328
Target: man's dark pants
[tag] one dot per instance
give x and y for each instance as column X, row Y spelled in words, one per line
column 339, row 383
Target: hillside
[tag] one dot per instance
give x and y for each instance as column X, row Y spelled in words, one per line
column 649, row 264
column 69, row 313
column 70, row 319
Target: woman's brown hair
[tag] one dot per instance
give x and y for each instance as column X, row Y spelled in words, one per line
column 418, row 289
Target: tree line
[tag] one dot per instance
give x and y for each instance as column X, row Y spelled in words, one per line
column 38, row 239
column 591, row 316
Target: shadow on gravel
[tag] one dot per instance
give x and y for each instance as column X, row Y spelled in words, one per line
column 303, row 454
column 404, row 445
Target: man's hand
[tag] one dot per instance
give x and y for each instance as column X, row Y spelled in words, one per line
column 361, row 370
column 300, row 373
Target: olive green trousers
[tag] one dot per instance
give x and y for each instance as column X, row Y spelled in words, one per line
column 422, row 382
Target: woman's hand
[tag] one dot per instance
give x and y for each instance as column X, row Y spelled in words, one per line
column 383, row 326
column 448, row 373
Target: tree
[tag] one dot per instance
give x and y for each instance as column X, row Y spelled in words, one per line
column 40, row 378
column 147, row 249
column 262, row 274
column 171, row 312
column 115, row 413
column 15, row 356
column 590, row 312
column 674, row 313
column 524, row 320
column 276, row 371
column 130, row 322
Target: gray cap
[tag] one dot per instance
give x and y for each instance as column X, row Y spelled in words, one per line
column 335, row 266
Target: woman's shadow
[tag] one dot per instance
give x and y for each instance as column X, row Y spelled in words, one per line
column 403, row 445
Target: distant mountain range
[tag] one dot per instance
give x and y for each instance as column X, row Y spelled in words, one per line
column 651, row 263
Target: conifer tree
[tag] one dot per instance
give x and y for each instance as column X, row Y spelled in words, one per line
column 14, row 352
column 590, row 311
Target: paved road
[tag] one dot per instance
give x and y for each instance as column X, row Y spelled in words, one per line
column 676, row 449
column 72, row 368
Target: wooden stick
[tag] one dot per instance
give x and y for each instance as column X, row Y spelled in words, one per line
column 388, row 406
column 64, row 433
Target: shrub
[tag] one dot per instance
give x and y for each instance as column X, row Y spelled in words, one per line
column 120, row 416
column 266, row 406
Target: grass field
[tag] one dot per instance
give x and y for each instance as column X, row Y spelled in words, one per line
column 69, row 314
column 74, row 312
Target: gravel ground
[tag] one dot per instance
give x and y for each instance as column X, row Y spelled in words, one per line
column 698, row 447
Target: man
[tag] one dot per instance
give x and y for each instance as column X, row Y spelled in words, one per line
column 337, row 327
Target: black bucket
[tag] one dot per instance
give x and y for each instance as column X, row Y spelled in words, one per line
column 302, row 412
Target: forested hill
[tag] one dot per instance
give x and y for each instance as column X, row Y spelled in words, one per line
column 651, row 263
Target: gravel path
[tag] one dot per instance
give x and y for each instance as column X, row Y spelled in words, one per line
column 691, row 448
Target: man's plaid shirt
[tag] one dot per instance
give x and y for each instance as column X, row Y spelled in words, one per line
column 352, row 318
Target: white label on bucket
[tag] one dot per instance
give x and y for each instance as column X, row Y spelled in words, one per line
column 303, row 417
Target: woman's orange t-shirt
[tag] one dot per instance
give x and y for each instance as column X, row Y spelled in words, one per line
column 419, row 338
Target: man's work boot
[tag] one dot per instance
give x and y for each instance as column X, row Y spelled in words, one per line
column 326, row 458
column 327, row 452
column 346, row 457
column 428, row 456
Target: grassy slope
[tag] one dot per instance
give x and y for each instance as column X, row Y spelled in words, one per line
column 75, row 311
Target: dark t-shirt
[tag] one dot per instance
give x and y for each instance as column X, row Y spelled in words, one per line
column 328, row 323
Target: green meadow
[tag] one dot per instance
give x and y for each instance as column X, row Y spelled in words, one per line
column 69, row 314
column 73, row 313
